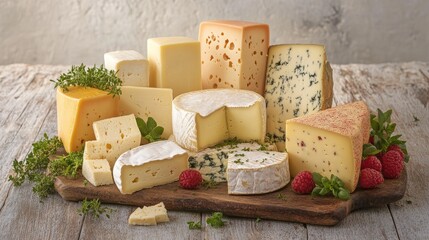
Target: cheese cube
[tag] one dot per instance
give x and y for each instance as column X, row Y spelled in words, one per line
column 77, row 109
column 148, row 102
column 329, row 142
column 149, row 215
column 150, row 165
column 299, row 82
column 175, row 63
column 97, row 172
column 234, row 54
column 205, row 118
column 130, row 66
column 117, row 128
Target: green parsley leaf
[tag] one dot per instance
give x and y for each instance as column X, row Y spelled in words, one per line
column 94, row 208
column 95, row 77
column 194, row 225
column 334, row 185
column 150, row 130
column 215, row 220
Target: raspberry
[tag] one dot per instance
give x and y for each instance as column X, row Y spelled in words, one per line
column 396, row 148
column 392, row 163
column 190, row 179
column 303, row 183
column 371, row 162
column 370, row 178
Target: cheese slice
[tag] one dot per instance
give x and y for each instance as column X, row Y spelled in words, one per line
column 149, row 215
column 97, row 172
column 117, row 128
column 130, row 66
column 298, row 82
column 146, row 102
column 205, row 118
column 234, row 54
column 77, row 109
column 329, row 142
column 212, row 162
column 175, row 63
column 257, row 172
column 149, row 165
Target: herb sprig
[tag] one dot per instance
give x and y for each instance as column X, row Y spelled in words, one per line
column 333, row 185
column 215, row 220
column 194, row 225
column 94, row 208
column 95, row 77
column 150, row 129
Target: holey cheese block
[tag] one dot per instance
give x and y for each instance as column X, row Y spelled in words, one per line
column 234, row 54
column 257, row 172
column 130, row 66
column 149, row 165
column 77, row 109
column 299, row 82
column 213, row 162
column 329, row 142
column 205, row 118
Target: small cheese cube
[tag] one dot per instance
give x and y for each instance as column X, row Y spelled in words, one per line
column 175, row 63
column 147, row 102
column 130, row 66
column 149, row 215
column 77, row 109
column 329, row 142
column 97, row 172
column 234, row 54
column 158, row 211
column 117, row 128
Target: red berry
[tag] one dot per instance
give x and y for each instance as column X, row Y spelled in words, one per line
column 396, row 148
column 303, row 183
column 370, row 178
column 190, row 179
column 371, row 162
column 392, row 163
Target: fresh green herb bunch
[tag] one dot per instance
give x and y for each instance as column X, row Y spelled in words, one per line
column 150, row 129
column 215, row 220
column 94, row 208
column 68, row 165
column 325, row 185
column 194, row 225
column 95, row 77
column 382, row 133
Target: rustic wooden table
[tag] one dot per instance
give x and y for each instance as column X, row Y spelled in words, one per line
column 28, row 110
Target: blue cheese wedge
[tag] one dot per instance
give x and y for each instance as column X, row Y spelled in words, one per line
column 257, row 172
column 212, row 162
column 299, row 82
column 149, row 165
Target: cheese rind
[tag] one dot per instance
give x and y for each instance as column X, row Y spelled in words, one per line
column 149, row 165
column 329, row 142
column 77, row 109
column 234, row 54
column 204, row 118
column 147, row 102
column 257, row 172
column 212, row 162
column 130, row 66
column 298, row 82
column 97, row 171
column 175, row 63
column 149, row 215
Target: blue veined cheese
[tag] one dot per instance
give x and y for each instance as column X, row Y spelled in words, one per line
column 257, row 172
column 298, row 82
column 212, row 162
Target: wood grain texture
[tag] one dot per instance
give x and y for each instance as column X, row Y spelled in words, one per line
column 293, row 208
column 24, row 104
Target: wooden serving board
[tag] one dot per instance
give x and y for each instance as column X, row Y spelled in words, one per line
column 283, row 205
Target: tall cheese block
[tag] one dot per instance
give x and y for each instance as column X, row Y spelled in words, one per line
column 205, row 118
column 77, row 109
column 145, row 102
column 175, row 63
column 149, row 165
column 234, row 54
column 299, row 82
column 329, row 142
column 130, row 66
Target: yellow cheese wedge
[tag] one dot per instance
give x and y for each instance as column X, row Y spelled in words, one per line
column 329, row 142
column 77, row 109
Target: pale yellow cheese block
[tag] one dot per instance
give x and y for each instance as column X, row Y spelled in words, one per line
column 234, row 54
column 77, row 109
column 149, row 215
column 130, row 66
column 97, row 171
column 329, row 142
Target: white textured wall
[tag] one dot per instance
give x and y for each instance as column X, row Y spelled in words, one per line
column 75, row 31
